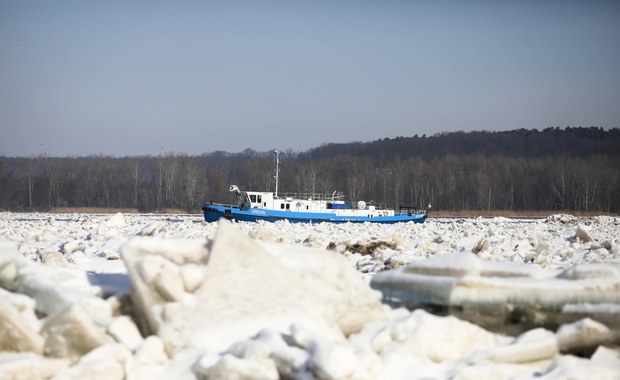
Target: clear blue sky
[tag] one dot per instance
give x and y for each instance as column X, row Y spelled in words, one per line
column 138, row 77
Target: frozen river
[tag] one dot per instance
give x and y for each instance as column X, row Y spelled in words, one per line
column 170, row 295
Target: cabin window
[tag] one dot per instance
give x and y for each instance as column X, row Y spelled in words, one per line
column 307, row 207
column 259, row 198
column 253, row 198
column 282, row 206
column 265, row 204
column 288, row 206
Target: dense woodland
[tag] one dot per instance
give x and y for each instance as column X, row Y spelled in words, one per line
column 564, row 169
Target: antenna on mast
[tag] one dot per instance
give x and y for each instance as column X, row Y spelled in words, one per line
column 275, row 151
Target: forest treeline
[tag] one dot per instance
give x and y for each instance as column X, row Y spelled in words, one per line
column 565, row 169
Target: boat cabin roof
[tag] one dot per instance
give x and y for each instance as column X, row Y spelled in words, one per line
column 334, row 197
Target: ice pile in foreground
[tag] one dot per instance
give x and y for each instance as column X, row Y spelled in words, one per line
column 239, row 308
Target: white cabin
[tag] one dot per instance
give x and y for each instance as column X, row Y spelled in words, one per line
column 314, row 203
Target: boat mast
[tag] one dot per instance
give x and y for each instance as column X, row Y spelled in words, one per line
column 275, row 151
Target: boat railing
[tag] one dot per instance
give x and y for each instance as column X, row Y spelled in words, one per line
column 336, row 196
column 408, row 210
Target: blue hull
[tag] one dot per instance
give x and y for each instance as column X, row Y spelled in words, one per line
column 213, row 213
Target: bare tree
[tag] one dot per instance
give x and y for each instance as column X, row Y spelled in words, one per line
column 31, row 174
column 169, row 175
column 191, row 173
column 137, row 171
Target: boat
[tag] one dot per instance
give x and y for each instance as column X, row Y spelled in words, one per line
column 255, row 206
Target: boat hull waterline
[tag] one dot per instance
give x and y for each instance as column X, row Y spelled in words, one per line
column 213, row 212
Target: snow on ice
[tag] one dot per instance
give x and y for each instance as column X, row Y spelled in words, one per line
column 158, row 297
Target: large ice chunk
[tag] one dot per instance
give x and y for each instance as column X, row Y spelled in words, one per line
column 246, row 287
column 497, row 295
column 71, row 333
column 16, row 334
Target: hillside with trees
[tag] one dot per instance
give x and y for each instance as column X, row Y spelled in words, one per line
column 570, row 169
